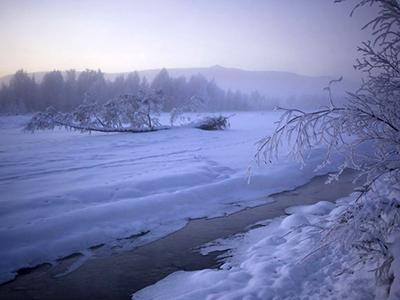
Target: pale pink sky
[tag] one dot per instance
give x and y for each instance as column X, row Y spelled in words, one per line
column 313, row 37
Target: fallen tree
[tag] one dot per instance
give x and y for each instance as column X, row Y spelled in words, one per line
column 126, row 114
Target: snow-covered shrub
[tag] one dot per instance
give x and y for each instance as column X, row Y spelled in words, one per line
column 126, row 113
column 213, row 123
column 367, row 132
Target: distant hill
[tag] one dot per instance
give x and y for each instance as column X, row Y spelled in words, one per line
column 273, row 84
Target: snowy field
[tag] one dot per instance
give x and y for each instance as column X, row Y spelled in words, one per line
column 63, row 192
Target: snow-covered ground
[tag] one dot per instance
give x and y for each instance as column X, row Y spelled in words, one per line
column 62, row 192
column 280, row 260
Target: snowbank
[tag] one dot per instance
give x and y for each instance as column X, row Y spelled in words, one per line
column 276, row 261
column 63, row 192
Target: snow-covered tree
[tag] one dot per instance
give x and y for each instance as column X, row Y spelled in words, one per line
column 192, row 104
column 70, row 91
column 132, row 83
column 366, row 131
column 20, row 96
column 126, row 113
column 92, row 86
column 52, row 90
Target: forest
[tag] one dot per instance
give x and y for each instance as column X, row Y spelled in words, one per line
column 67, row 90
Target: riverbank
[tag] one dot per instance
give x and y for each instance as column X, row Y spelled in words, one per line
column 118, row 276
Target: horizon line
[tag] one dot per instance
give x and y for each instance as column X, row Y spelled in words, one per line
column 7, row 76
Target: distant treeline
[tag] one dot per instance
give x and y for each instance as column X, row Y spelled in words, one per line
column 66, row 90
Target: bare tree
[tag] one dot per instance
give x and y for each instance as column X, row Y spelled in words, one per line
column 366, row 131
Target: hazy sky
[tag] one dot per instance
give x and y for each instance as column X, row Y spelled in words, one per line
column 313, row 37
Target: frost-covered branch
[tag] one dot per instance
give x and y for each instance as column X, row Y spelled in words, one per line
column 366, row 130
column 304, row 130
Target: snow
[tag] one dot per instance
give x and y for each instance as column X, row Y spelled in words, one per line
column 63, row 192
column 320, row 209
column 277, row 261
column 395, row 269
